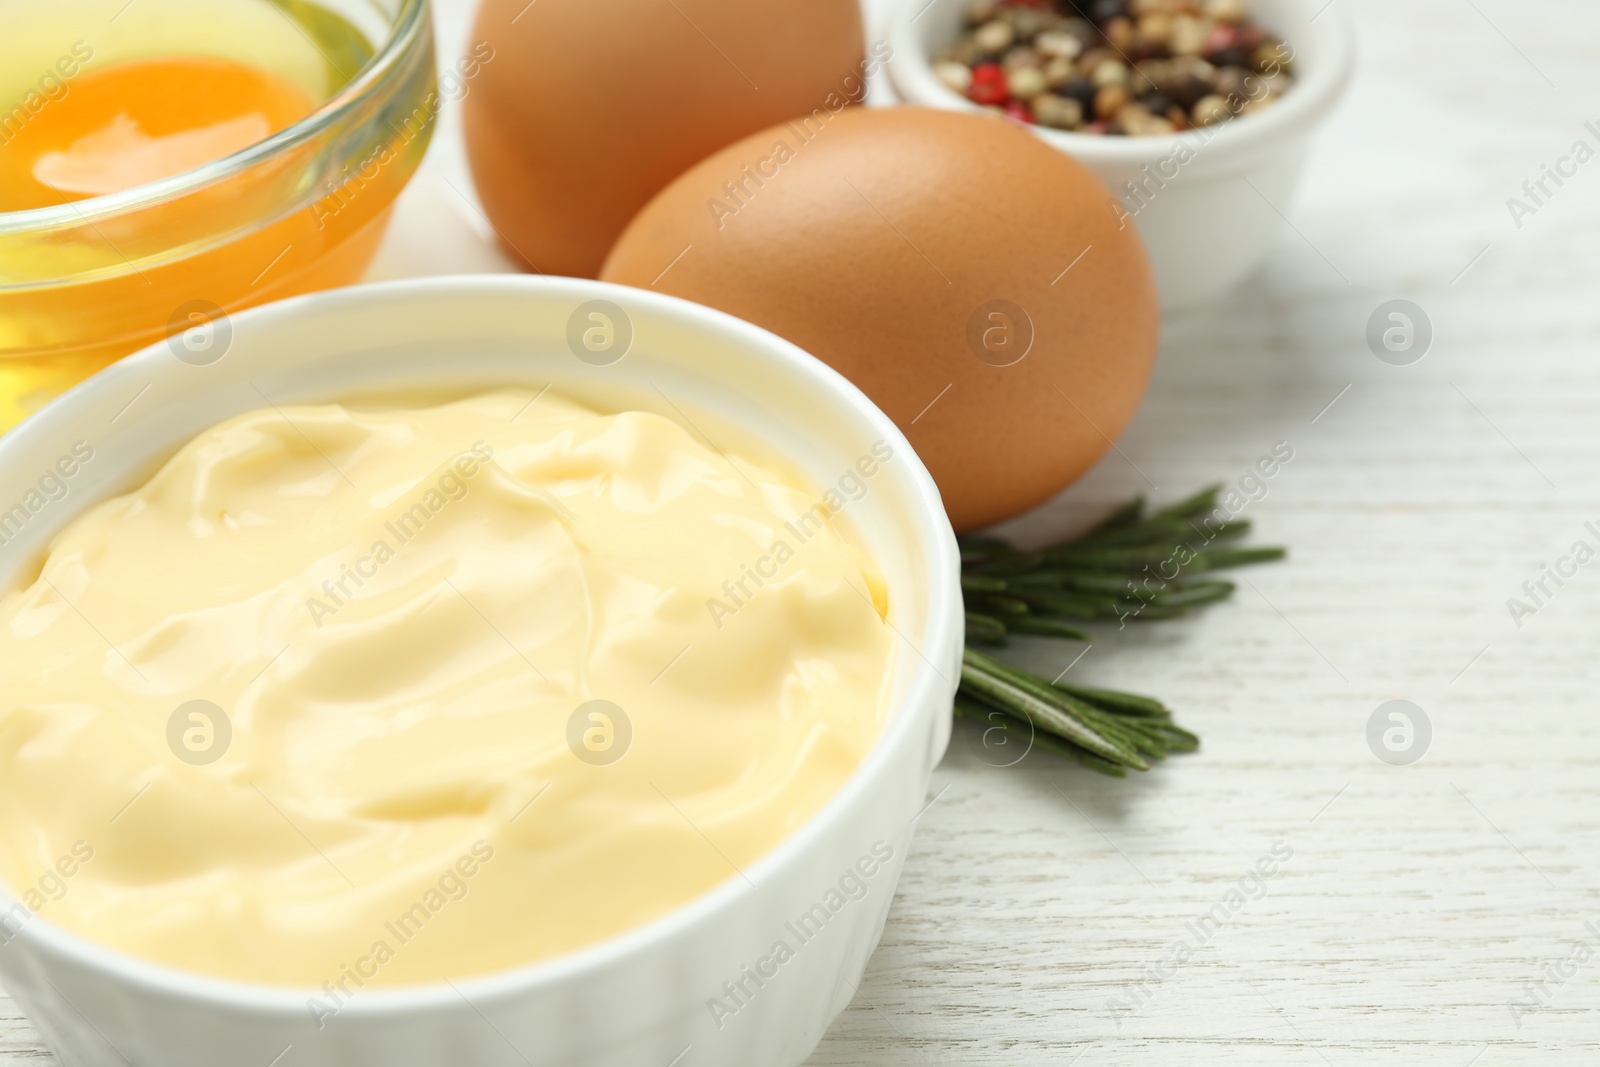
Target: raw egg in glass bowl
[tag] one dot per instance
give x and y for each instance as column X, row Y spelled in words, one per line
column 165, row 162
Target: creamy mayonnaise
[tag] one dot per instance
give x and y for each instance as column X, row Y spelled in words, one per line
column 313, row 706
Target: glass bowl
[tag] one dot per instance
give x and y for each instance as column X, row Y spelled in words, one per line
column 85, row 282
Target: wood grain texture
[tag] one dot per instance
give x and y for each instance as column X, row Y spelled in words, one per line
column 1419, row 900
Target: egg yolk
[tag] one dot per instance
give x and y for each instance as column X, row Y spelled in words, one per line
column 140, row 121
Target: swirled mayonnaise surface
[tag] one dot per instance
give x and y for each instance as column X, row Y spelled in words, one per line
column 349, row 697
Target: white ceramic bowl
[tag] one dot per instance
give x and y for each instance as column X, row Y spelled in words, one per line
column 643, row 997
column 1209, row 204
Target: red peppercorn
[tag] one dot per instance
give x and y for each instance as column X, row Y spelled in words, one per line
column 1018, row 110
column 1248, row 36
column 1222, row 37
column 988, row 84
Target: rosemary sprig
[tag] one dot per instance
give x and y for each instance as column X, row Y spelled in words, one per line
column 1132, row 567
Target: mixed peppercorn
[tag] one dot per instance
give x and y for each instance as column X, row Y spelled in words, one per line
column 1129, row 67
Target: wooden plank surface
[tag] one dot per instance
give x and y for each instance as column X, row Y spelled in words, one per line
column 1419, row 900
column 1044, row 911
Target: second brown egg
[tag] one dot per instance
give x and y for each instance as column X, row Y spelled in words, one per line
column 972, row 280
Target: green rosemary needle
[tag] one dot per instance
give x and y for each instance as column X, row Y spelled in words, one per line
column 1133, row 566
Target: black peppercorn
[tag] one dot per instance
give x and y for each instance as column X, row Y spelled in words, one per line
column 1102, row 10
column 1080, row 89
column 1156, row 104
column 1229, row 57
column 1185, row 87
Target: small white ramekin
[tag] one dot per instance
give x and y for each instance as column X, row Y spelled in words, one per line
column 1208, row 203
column 642, row 998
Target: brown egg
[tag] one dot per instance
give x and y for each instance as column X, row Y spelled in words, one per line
column 589, row 107
column 975, row 282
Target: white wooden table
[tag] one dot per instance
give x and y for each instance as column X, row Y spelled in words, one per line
column 1418, row 901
